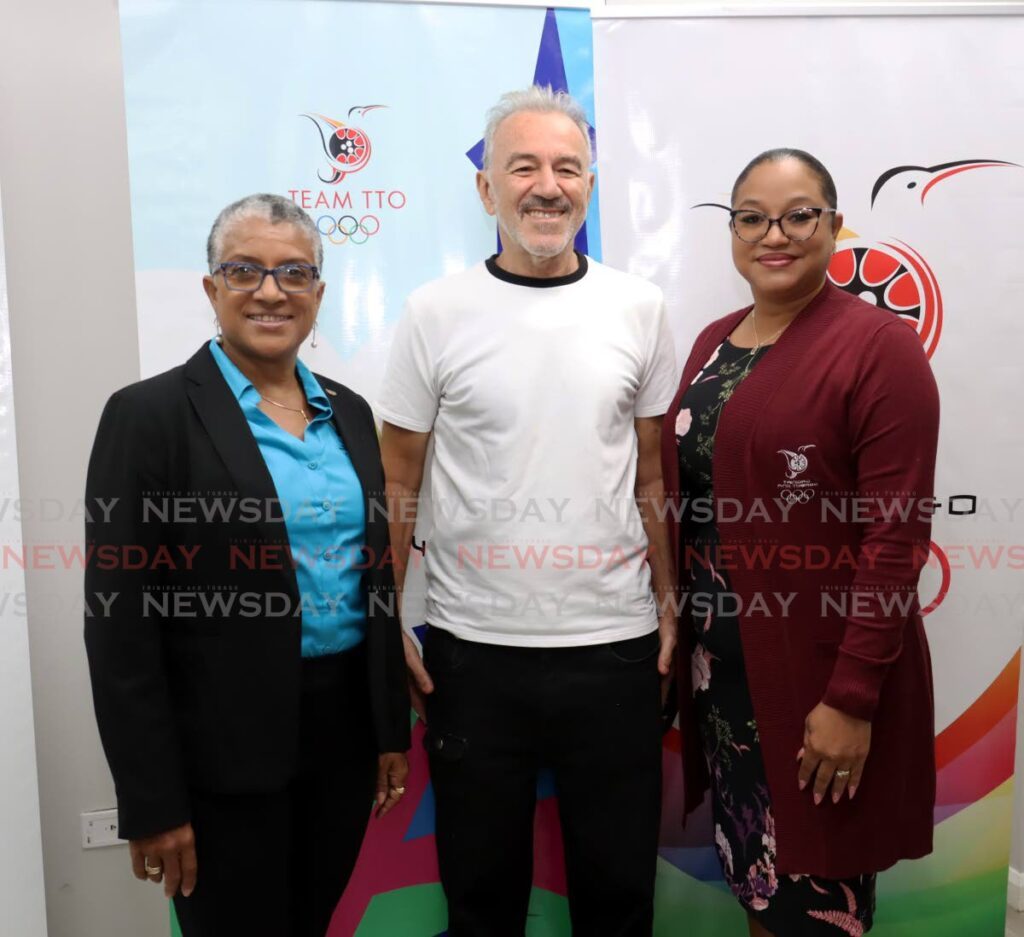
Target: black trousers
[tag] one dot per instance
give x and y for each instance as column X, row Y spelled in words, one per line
column 275, row 864
column 498, row 715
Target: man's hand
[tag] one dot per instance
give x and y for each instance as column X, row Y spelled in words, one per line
column 420, row 684
column 835, row 748
column 650, row 501
column 403, row 453
column 667, row 636
column 392, row 771
column 168, row 857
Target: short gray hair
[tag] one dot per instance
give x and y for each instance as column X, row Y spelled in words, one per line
column 273, row 208
column 541, row 100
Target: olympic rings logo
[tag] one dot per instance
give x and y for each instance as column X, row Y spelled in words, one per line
column 348, row 228
column 797, row 495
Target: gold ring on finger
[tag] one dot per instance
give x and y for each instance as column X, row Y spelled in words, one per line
column 398, row 790
column 843, row 773
column 152, row 871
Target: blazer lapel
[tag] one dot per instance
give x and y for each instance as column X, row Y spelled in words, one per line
column 360, row 452
column 228, row 429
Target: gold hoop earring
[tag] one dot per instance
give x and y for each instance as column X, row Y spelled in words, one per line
column 313, row 343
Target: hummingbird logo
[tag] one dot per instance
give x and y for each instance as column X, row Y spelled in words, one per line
column 796, row 462
column 346, row 146
column 925, row 178
column 891, row 274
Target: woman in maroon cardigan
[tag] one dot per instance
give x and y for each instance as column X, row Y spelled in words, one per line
column 800, row 450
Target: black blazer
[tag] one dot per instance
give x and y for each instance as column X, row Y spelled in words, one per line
column 193, row 617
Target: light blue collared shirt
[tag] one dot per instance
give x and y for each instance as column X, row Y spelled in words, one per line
column 322, row 502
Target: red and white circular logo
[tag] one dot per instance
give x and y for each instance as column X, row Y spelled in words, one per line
column 892, row 275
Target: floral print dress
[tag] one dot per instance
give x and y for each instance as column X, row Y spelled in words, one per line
column 787, row 905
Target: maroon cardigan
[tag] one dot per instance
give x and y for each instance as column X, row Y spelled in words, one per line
column 841, row 415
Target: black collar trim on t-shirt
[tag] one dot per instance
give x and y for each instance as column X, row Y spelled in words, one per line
column 578, row 274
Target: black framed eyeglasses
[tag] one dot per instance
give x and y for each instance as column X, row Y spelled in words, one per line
column 247, row 278
column 750, row 226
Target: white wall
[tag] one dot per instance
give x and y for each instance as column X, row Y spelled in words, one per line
column 64, row 173
column 21, row 859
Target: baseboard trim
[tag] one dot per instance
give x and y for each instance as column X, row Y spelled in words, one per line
column 1015, row 891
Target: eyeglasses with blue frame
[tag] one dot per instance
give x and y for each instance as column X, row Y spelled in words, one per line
column 246, row 277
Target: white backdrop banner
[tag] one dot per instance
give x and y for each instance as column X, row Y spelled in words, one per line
column 921, row 122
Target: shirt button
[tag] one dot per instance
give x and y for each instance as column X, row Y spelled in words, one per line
column 326, row 505
column 313, row 465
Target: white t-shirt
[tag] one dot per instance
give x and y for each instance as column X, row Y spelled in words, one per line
column 530, row 388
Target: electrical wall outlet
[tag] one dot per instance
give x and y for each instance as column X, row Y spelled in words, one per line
column 99, row 828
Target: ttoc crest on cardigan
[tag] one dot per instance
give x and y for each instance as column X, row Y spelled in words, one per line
column 793, row 489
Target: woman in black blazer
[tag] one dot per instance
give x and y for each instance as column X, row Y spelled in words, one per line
column 241, row 627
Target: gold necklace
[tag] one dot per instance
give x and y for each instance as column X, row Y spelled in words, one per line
column 758, row 344
column 290, row 409
column 757, row 341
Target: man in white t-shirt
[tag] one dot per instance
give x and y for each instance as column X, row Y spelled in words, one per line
column 540, row 377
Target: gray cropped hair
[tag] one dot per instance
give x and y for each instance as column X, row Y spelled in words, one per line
column 273, row 208
column 541, row 100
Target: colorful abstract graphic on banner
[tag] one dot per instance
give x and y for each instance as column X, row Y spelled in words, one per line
column 369, row 116
column 927, row 153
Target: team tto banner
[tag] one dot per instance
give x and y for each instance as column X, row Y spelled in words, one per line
column 921, row 135
column 369, row 116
